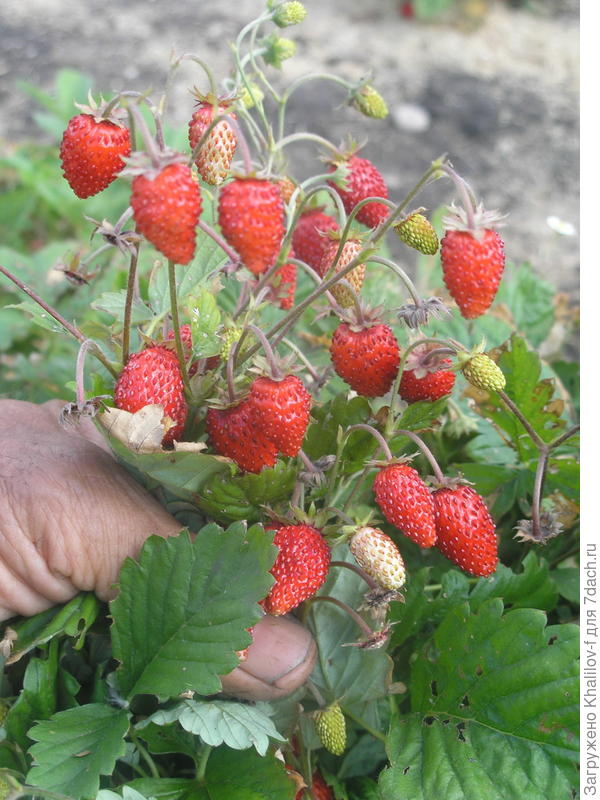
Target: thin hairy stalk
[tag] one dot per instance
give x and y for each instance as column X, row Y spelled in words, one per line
column 227, row 249
column 426, row 452
column 75, row 332
column 361, row 426
column 131, row 286
column 540, row 444
column 177, row 330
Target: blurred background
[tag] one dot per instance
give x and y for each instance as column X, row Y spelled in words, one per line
column 493, row 83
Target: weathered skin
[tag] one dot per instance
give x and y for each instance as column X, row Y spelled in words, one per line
column 69, row 516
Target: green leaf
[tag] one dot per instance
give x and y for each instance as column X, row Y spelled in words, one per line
column 567, row 582
column 182, row 611
column 321, row 436
column 72, row 619
column 421, row 415
column 234, row 775
column 205, row 321
column 38, row 315
column 495, row 709
column 168, row 789
column 227, row 722
column 230, row 775
column 531, row 587
column 168, row 739
column 75, row 747
column 522, row 370
column 357, row 678
column 183, row 474
column 37, row 699
column 209, row 257
column 114, row 304
column 530, row 300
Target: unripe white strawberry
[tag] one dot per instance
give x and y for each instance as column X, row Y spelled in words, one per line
column 377, row 554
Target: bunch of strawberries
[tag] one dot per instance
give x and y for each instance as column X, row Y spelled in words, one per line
column 269, row 226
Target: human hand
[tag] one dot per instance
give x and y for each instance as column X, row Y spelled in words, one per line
column 70, row 515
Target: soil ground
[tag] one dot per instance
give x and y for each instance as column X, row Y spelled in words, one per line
column 502, row 99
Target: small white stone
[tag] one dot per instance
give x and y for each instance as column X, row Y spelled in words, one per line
column 560, row 226
column 411, row 117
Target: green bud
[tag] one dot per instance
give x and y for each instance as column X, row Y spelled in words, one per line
column 369, row 102
column 278, row 50
column 484, row 373
column 289, row 14
column 251, row 95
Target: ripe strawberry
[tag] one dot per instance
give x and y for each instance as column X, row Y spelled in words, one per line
column 465, row 531
column 233, row 433
column 406, row 503
column 366, row 358
column 363, row 180
column 356, row 276
column 424, row 377
column 300, row 568
column 252, row 221
column 282, row 411
column 472, row 269
column 320, row 790
column 416, row 231
column 330, row 725
column 216, row 154
column 378, row 555
column 153, row 377
column 166, row 209
column 307, row 239
column 92, row 152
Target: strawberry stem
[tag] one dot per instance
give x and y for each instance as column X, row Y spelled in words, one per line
column 75, row 332
column 131, row 285
column 540, row 444
column 229, row 251
column 306, row 137
column 426, row 452
column 466, row 193
column 243, row 144
column 325, row 598
column 372, row 584
column 309, row 367
column 151, row 144
column 177, row 329
column 268, row 350
column 362, row 426
column 80, row 372
column 207, row 70
column 401, row 274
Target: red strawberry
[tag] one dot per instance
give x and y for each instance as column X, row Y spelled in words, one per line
column 216, row 154
column 287, row 187
column 366, row 358
column 300, row 568
column 282, row 411
column 233, row 432
column 356, row 276
column 320, row 790
column 424, row 376
column 153, row 377
column 364, row 180
column 166, row 209
column 430, row 387
column 472, row 269
column 465, row 531
column 92, row 152
column 252, row 221
column 307, row 239
column 406, row 503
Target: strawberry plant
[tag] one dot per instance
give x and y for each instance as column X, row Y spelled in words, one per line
column 340, row 448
